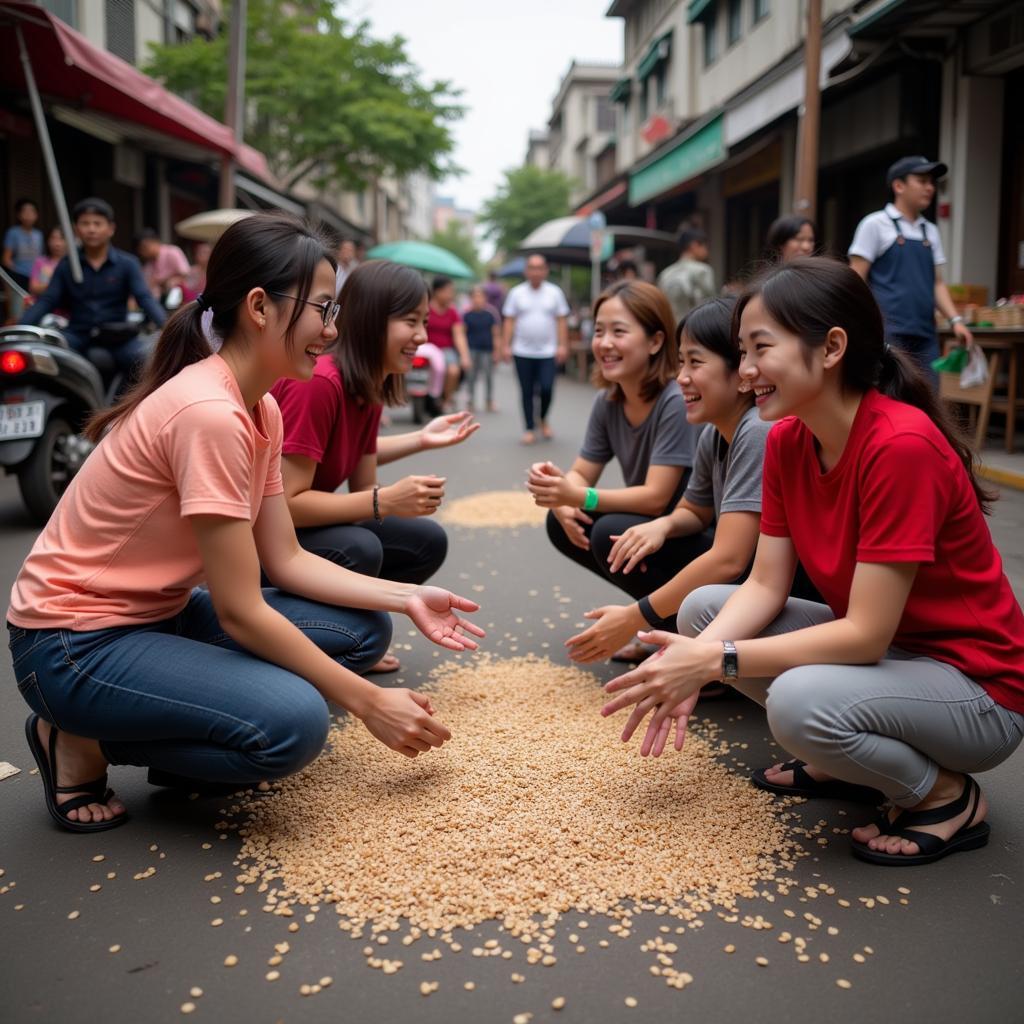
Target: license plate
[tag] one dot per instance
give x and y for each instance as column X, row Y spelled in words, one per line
column 24, row 419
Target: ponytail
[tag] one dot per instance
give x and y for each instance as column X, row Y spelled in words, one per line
column 272, row 251
column 900, row 378
column 182, row 342
column 809, row 296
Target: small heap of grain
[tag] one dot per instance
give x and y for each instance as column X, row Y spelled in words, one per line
column 493, row 509
column 532, row 810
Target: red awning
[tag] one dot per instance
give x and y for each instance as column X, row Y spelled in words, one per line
column 598, row 202
column 69, row 69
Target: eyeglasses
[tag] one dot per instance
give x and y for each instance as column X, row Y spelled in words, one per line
column 328, row 310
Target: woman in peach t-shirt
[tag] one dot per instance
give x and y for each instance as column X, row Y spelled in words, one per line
column 122, row 656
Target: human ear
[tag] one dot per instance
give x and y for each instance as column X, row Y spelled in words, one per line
column 256, row 306
column 835, row 347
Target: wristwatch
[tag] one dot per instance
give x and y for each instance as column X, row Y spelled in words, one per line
column 730, row 662
column 954, row 320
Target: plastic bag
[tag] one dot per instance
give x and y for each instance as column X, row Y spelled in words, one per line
column 975, row 373
column 952, row 362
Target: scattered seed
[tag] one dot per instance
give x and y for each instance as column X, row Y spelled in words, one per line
column 761, row 961
column 273, row 975
column 630, row 1001
column 115, row 948
column 95, row 888
column 217, row 922
column 230, row 960
column 469, row 986
column 188, row 1007
column 73, row 916
column 843, row 983
column 195, row 992
column 99, row 857
column 730, row 948
column 558, row 1003
column 494, row 509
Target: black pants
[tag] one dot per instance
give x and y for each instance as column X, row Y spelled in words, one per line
column 404, row 550
column 535, row 375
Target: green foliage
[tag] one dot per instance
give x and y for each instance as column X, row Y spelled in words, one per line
column 324, row 99
column 527, row 198
column 458, row 239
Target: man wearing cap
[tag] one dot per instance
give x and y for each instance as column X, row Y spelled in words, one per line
column 899, row 254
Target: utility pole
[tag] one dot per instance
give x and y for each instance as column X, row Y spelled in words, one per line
column 806, row 199
column 234, row 107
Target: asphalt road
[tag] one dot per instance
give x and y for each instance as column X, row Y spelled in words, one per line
column 952, row 953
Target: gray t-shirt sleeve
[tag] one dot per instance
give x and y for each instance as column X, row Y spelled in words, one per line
column 700, row 490
column 674, row 439
column 741, row 489
column 597, row 445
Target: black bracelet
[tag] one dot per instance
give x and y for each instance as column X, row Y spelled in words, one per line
column 376, row 503
column 653, row 619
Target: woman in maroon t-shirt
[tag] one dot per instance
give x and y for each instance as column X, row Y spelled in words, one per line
column 446, row 330
column 330, row 438
column 912, row 674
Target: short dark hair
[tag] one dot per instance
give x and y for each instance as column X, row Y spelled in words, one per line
column 373, row 294
column 710, row 326
column 438, row 283
column 147, row 235
column 22, row 203
column 689, row 235
column 626, row 265
column 785, row 228
column 95, row 205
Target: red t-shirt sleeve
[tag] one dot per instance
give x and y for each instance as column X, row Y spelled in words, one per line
column 309, row 411
column 773, row 508
column 905, row 489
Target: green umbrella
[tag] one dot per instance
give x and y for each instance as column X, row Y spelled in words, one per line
column 431, row 259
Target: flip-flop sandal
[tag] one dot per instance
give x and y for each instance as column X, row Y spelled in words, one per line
column 932, row 848
column 804, row 785
column 94, row 792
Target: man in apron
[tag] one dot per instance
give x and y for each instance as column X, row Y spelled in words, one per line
column 899, row 253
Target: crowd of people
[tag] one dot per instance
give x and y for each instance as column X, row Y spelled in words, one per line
column 800, row 520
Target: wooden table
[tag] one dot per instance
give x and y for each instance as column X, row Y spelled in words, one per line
column 1005, row 348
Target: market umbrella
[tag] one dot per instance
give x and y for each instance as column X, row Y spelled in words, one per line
column 209, row 226
column 567, row 240
column 431, row 259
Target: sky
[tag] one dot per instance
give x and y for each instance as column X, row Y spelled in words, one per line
column 508, row 58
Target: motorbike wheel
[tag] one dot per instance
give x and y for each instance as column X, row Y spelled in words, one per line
column 44, row 476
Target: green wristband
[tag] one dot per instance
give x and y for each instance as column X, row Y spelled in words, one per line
column 590, row 501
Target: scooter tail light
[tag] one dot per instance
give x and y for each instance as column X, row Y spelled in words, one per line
column 418, row 362
column 13, row 362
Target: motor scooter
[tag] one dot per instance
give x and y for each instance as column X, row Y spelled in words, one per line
column 424, row 383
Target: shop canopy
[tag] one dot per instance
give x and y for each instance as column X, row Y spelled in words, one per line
column 70, row 70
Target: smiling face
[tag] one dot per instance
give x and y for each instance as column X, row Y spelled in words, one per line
column 801, row 244
column 710, row 386
column 784, row 374
column 621, row 346
column 406, row 332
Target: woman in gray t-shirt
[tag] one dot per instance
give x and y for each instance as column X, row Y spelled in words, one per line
column 640, row 419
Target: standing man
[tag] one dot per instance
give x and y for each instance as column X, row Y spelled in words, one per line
column 689, row 281
column 164, row 266
column 536, row 334
column 899, row 254
column 347, row 261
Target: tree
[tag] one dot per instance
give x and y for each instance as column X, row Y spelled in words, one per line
column 457, row 238
column 325, row 101
column 527, row 198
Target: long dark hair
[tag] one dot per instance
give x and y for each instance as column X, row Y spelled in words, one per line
column 373, row 294
column 651, row 310
column 273, row 251
column 811, row 295
column 782, row 230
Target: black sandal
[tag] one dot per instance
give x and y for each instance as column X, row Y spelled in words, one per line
column 804, row 785
column 932, row 848
column 96, row 791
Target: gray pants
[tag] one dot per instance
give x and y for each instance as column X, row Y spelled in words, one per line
column 483, row 366
column 891, row 725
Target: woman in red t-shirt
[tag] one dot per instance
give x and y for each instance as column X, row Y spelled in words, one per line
column 912, row 674
column 446, row 330
column 330, row 438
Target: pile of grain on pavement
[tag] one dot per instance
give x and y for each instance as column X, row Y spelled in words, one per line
column 532, row 810
column 494, row 509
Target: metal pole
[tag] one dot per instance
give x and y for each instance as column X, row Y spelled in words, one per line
column 49, row 159
column 234, row 107
column 810, row 119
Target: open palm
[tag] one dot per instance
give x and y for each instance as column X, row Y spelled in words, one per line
column 443, row 431
column 434, row 612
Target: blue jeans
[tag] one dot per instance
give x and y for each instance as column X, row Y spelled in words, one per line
column 535, row 375
column 181, row 696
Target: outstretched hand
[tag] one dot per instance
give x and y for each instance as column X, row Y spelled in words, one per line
column 443, row 431
column 433, row 611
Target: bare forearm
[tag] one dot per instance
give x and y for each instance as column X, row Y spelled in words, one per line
column 398, row 446
column 310, row 576
column 642, row 500
column 269, row 635
column 683, row 523
column 841, row 642
column 752, row 606
column 711, row 567
column 327, row 508
column 944, row 301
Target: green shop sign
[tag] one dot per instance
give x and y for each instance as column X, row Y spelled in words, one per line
column 687, row 158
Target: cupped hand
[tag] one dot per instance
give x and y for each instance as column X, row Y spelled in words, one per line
column 614, row 626
column 443, row 431
column 434, row 612
column 572, row 521
column 404, row 721
column 413, row 496
column 657, row 735
column 632, row 546
column 550, row 488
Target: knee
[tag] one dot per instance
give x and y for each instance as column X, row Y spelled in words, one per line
column 297, row 734
column 699, row 609
column 430, row 544
column 601, row 537
column 792, row 707
column 356, row 549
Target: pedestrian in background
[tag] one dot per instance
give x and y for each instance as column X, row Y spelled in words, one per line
column 446, row 330
column 495, row 292
column 163, row 266
column 23, row 245
column 347, row 261
column 42, row 269
column 689, row 281
column 195, row 280
column 483, row 335
column 899, row 253
column 536, row 336
column 789, row 237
